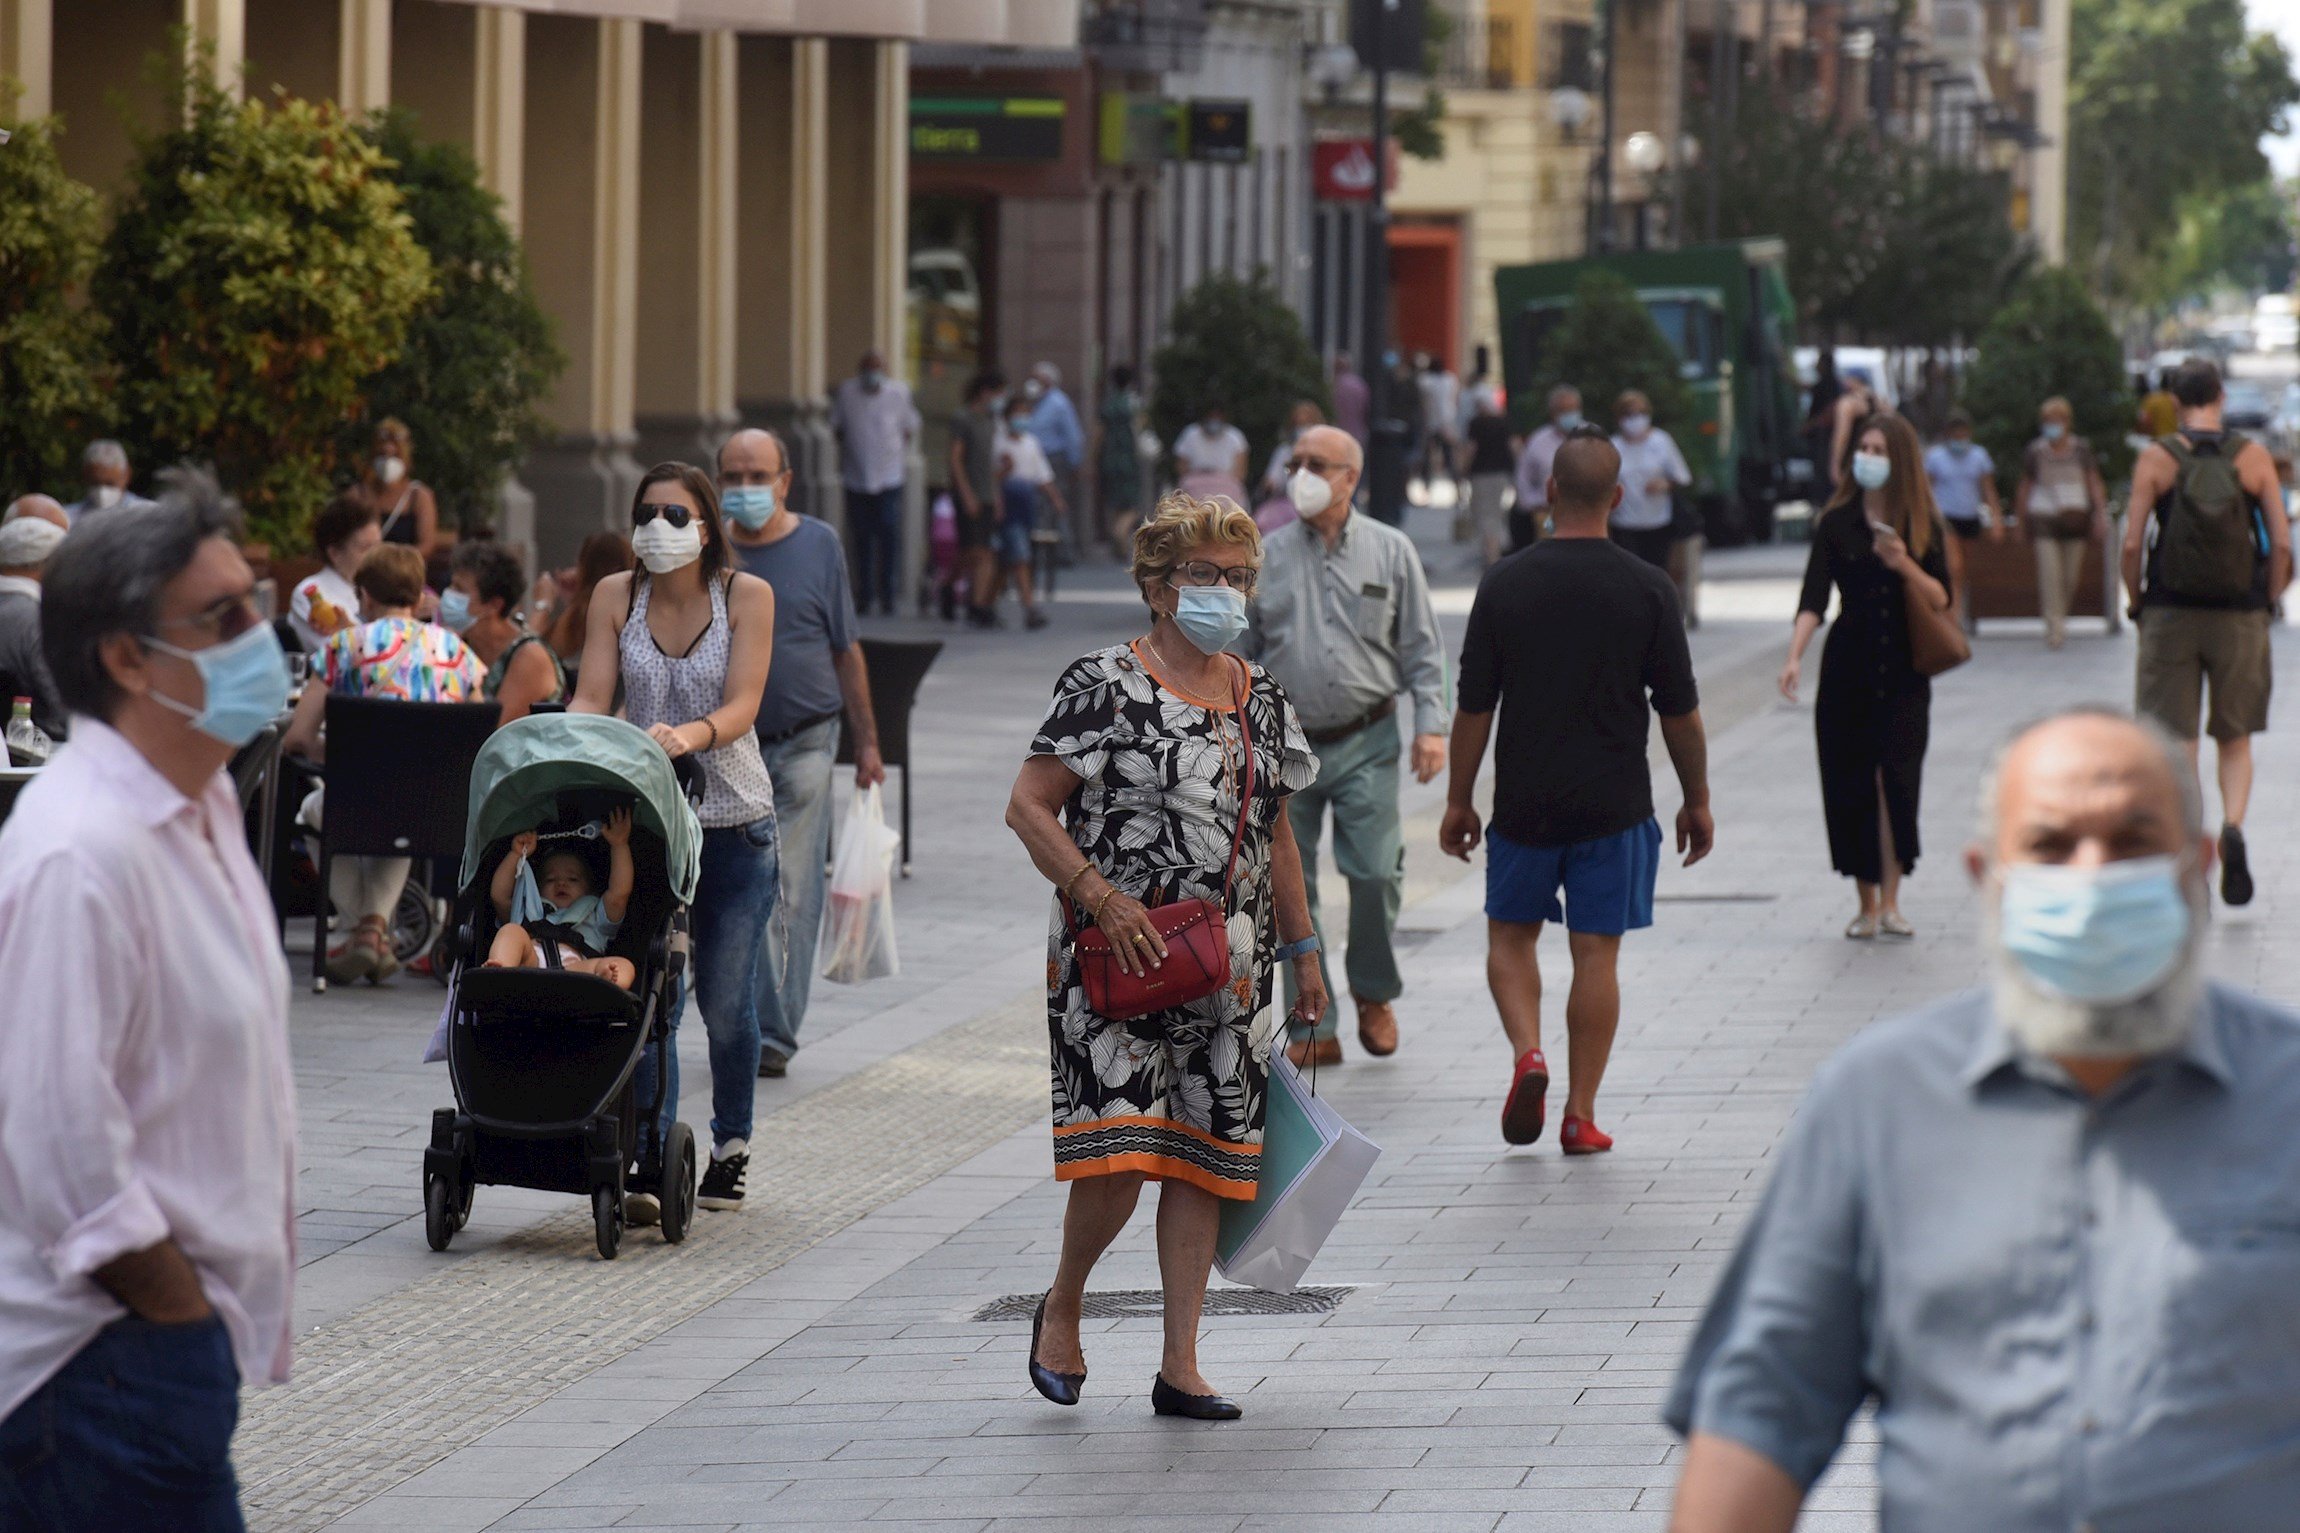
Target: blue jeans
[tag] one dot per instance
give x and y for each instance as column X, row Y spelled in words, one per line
column 874, row 523
column 134, row 1432
column 802, row 768
column 734, row 904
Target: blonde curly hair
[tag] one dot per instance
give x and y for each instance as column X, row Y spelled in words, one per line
column 1184, row 522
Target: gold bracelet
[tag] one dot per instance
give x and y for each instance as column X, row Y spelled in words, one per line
column 1107, row 895
column 1084, row 868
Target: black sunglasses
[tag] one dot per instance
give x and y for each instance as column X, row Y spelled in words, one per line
column 677, row 516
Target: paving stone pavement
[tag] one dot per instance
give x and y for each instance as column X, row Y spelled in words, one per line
column 1514, row 1322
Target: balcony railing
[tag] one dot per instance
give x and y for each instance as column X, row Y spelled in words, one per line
column 1147, row 35
column 1489, row 53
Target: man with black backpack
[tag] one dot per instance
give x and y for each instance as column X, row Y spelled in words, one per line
column 2207, row 553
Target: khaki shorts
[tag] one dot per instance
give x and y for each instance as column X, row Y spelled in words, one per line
column 2180, row 647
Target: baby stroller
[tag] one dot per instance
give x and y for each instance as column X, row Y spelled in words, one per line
column 545, row 1061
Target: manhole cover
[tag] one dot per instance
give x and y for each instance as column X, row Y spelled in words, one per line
column 1149, row 1303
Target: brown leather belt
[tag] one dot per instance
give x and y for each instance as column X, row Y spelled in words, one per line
column 1366, row 720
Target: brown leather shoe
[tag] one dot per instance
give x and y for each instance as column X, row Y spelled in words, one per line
column 1322, row 1051
column 1377, row 1028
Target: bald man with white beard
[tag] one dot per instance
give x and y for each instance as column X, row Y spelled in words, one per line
column 2051, row 1227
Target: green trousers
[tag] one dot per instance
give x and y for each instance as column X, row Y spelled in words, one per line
column 1358, row 780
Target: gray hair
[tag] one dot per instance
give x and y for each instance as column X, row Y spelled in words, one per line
column 108, row 575
column 1561, row 394
column 1049, row 374
column 2174, row 753
column 105, row 453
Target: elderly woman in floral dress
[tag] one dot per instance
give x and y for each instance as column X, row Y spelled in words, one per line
column 1131, row 799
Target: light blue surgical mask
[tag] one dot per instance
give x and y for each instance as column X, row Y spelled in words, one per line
column 2096, row 935
column 1871, row 470
column 455, row 611
column 1569, row 420
column 244, row 681
column 2054, row 430
column 751, row 505
column 1211, row 617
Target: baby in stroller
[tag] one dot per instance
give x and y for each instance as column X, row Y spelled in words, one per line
column 581, row 922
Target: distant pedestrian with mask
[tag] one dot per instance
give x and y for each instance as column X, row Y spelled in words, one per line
column 1534, row 461
column 1344, row 622
column 818, row 675
column 1964, row 480
column 104, row 478
column 1652, row 471
column 1054, row 423
column 1879, row 546
column 1118, row 457
column 876, row 424
column 1578, row 644
column 974, row 486
column 2063, row 506
column 1211, row 455
column 1031, row 509
column 1492, row 461
column 404, row 506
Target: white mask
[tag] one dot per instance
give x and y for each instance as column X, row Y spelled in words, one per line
column 1309, row 492
column 664, row 548
column 103, row 497
column 1634, row 425
column 389, row 469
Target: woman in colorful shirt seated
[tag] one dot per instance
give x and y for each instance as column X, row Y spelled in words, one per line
column 389, row 653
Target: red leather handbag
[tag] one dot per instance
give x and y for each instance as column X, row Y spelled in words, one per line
column 1196, row 934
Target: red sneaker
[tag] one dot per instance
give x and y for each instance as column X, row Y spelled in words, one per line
column 1521, row 1110
column 1578, row 1136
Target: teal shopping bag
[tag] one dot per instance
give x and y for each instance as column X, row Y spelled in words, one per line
column 1312, row 1165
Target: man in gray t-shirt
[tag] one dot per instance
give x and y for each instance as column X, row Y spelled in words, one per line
column 818, row 674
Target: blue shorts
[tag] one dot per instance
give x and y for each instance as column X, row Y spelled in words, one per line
column 1607, row 884
column 1018, row 513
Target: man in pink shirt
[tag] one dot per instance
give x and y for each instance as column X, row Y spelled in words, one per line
column 147, row 1111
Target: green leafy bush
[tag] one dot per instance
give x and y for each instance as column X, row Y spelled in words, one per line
column 2049, row 338
column 1235, row 344
column 479, row 356
column 260, row 270
column 1608, row 343
column 52, row 364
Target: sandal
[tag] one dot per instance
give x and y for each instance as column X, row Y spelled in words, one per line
column 1893, row 924
column 1864, row 928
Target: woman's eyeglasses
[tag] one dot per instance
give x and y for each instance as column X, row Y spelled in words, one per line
column 676, row 515
column 1200, row 572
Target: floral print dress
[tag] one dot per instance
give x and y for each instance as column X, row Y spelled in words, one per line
column 1178, row 1093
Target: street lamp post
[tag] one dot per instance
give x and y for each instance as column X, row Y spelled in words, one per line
column 1385, row 453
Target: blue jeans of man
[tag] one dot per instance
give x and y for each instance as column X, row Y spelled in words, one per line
column 802, row 768
column 874, row 523
column 134, row 1432
column 734, row 905
column 1358, row 780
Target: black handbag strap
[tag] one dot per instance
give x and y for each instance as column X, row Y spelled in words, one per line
column 1078, row 922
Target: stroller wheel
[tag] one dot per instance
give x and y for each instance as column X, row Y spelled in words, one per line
column 414, row 922
column 607, row 1221
column 439, row 1213
column 678, row 1193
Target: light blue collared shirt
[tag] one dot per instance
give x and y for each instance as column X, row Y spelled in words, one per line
column 2075, row 1315
column 1054, row 421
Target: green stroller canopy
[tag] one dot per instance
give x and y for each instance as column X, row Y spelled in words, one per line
column 524, row 767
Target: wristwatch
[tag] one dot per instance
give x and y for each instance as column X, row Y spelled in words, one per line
column 1289, row 951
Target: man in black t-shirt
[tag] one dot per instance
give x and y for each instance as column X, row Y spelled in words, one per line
column 1569, row 638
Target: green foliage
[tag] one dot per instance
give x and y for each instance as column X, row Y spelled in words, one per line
column 1608, row 343
column 1235, row 344
column 52, row 375
column 1887, row 242
column 2240, row 239
column 2168, row 100
column 479, row 355
column 1420, row 131
column 261, row 269
column 2049, row 338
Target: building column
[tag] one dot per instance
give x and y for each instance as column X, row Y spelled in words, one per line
column 2048, row 163
column 781, row 368
column 28, row 57
column 363, row 70
column 685, row 385
column 582, row 240
column 223, row 25
column 499, row 105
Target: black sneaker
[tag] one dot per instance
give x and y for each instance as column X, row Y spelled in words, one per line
column 723, row 1178
column 2235, row 870
column 774, row 1064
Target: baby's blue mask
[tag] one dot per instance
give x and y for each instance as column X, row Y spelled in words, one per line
column 585, row 917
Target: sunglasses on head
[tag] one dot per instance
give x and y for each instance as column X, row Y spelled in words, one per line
column 676, row 515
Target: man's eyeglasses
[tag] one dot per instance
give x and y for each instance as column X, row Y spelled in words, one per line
column 675, row 515
column 227, row 618
column 1316, row 465
column 1199, row 572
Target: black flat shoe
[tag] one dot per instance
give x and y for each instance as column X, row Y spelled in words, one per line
column 1166, row 1400
column 2235, row 868
column 1061, row 1388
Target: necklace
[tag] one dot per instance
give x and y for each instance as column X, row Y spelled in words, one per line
column 1159, row 655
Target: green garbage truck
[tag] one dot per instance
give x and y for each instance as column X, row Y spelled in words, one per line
column 1727, row 311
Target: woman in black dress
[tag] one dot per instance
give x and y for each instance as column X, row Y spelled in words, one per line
column 1882, row 545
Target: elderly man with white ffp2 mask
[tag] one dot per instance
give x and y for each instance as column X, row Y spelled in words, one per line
column 2051, row 1228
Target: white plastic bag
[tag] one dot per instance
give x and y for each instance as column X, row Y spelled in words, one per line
column 1313, row 1163
column 858, row 918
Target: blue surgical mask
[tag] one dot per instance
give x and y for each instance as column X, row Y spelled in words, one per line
column 1871, row 470
column 454, row 611
column 1210, row 617
column 751, row 505
column 1570, row 420
column 244, row 681
column 2053, row 431
column 2095, row 935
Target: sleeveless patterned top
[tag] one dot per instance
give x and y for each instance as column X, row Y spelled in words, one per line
column 666, row 689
